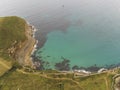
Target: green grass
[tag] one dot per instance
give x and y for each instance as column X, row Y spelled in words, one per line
column 14, row 80
column 96, row 82
column 42, row 81
column 11, row 29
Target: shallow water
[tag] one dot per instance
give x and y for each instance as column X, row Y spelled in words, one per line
column 86, row 32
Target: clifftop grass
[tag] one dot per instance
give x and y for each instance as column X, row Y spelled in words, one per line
column 18, row 79
column 12, row 29
column 12, row 32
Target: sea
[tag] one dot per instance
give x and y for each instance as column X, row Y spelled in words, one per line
column 85, row 32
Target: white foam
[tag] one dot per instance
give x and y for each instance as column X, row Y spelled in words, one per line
column 82, row 71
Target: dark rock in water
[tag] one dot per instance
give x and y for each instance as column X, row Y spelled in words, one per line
column 93, row 68
column 48, row 56
column 38, row 63
column 46, row 65
column 82, row 68
column 75, row 67
column 63, row 66
column 112, row 66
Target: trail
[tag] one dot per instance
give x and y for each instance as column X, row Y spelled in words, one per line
column 3, row 64
column 45, row 76
column 106, row 82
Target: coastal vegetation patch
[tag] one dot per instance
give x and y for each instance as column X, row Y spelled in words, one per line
column 12, row 32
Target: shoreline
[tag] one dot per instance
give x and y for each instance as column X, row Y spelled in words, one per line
column 76, row 72
column 35, row 63
column 34, row 47
column 23, row 55
column 33, row 29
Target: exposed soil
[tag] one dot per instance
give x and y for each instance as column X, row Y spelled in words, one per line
column 23, row 55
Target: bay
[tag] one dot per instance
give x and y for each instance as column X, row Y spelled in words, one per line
column 86, row 32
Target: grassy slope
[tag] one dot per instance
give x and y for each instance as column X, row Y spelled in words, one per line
column 4, row 66
column 18, row 79
column 97, row 82
column 11, row 29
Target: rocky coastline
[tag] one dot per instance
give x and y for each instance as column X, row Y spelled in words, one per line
column 29, row 60
column 30, row 46
column 23, row 55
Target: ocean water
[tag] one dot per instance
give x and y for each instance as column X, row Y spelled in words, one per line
column 86, row 32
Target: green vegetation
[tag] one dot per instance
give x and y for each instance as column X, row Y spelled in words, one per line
column 19, row 79
column 13, row 77
column 4, row 66
column 12, row 32
column 101, row 81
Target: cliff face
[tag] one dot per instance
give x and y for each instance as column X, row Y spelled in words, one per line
column 25, row 48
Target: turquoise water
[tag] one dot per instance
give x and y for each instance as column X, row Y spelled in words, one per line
column 82, row 47
column 86, row 32
column 93, row 37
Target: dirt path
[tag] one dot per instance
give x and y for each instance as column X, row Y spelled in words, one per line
column 106, row 82
column 5, row 65
column 77, row 83
column 45, row 76
column 1, row 63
